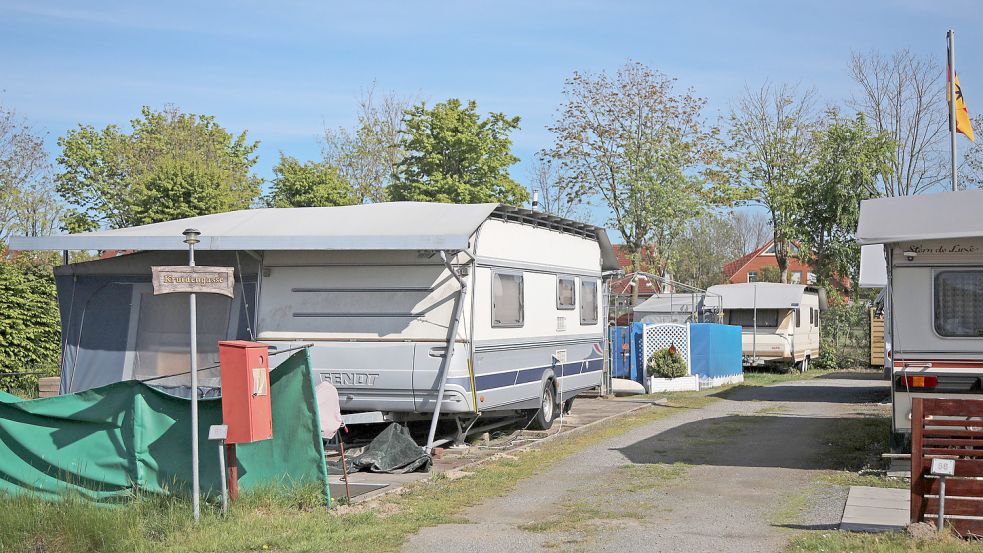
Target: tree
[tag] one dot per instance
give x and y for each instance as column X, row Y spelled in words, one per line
column 452, row 155
column 770, row 131
column 643, row 148
column 900, row 95
column 708, row 243
column 310, row 184
column 28, row 205
column 971, row 168
column 771, row 273
column 556, row 194
column 753, row 229
column 109, row 176
column 177, row 188
column 849, row 159
column 368, row 157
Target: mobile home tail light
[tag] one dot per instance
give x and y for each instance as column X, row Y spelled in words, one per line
column 919, row 381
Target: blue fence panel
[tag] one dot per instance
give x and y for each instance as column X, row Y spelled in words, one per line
column 620, row 351
column 716, row 351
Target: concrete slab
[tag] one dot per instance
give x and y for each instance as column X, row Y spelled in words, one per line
column 876, row 510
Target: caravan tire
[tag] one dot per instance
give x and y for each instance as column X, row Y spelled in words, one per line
column 542, row 418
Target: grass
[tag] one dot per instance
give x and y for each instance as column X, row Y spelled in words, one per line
column 828, row 542
column 270, row 520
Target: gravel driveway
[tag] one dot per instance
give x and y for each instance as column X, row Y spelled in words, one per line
column 738, row 475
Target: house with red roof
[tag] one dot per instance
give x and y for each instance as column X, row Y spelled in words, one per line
column 748, row 268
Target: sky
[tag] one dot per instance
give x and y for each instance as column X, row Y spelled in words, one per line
column 286, row 70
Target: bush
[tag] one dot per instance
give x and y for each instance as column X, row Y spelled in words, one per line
column 666, row 363
column 30, row 325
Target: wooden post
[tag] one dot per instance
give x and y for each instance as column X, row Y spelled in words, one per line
column 232, row 471
column 917, row 475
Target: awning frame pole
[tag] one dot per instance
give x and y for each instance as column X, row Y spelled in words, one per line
column 445, row 365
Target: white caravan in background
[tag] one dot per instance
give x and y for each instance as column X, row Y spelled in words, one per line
column 780, row 322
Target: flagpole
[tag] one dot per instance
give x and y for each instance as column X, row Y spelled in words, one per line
column 951, row 38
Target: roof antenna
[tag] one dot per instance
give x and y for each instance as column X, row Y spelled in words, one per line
column 535, row 201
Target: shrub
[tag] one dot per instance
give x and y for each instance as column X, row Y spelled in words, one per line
column 666, row 363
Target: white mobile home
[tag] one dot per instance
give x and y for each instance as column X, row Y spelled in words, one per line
column 780, row 322
column 933, row 246
column 380, row 291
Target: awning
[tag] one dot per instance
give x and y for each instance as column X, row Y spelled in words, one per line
column 676, row 303
column 873, row 266
column 382, row 226
column 923, row 217
column 763, row 295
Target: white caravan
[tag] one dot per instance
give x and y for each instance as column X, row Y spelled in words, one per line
column 379, row 290
column 780, row 322
column 933, row 245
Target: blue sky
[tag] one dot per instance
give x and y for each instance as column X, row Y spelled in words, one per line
column 285, row 70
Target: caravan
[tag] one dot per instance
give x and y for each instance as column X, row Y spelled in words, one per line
column 933, row 250
column 498, row 307
column 780, row 321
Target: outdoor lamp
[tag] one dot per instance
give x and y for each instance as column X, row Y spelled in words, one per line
column 910, row 256
column 191, row 236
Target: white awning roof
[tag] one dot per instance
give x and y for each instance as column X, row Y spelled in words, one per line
column 676, row 303
column 873, row 266
column 764, row 295
column 382, row 226
column 923, row 217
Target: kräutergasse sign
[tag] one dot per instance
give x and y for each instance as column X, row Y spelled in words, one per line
column 198, row 280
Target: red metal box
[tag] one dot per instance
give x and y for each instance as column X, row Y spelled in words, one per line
column 245, row 369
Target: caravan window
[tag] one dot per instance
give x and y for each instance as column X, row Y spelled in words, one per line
column 507, row 302
column 745, row 317
column 588, row 302
column 959, row 303
column 566, row 292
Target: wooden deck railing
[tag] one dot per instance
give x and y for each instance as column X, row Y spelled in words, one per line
column 950, row 429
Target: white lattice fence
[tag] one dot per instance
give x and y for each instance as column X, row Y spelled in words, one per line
column 661, row 336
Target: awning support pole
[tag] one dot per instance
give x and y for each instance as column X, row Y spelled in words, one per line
column 445, row 365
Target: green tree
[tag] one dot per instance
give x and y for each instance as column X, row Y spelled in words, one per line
column 770, row 131
column 30, row 328
column 706, row 245
column 771, row 273
column 452, row 155
column 641, row 146
column 849, row 160
column 115, row 179
column 310, row 184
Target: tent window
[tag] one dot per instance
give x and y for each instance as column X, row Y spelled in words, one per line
column 507, row 300
column 745, row 317
column 588, row 302
column 162, row 339
column 566, row 292
column 959, row 304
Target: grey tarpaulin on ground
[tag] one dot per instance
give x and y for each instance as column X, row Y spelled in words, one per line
column 392, row 451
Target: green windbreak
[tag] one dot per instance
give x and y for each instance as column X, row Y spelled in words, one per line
column 108, row 442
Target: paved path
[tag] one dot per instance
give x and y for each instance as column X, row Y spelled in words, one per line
column 722, row 478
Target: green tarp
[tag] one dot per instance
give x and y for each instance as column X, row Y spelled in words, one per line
column 106, row 443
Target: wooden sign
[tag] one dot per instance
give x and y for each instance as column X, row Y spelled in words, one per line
column 198, row 280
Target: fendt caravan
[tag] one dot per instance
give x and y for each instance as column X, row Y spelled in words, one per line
column 498, row 306
column 780, row 322
column 933, row 247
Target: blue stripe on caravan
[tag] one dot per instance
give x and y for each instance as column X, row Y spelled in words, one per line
column 535, row 374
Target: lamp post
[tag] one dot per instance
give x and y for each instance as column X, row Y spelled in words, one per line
column 191, row 238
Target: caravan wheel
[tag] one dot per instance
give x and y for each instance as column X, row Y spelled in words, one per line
column 542, row 418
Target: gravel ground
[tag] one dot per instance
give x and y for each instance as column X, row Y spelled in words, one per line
column 738, row 475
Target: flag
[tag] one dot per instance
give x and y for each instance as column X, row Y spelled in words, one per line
column 963, row 124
